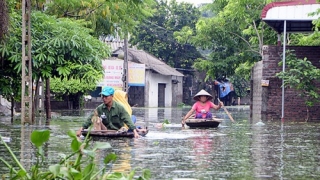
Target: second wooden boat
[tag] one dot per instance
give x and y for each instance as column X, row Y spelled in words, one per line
column 203, row 123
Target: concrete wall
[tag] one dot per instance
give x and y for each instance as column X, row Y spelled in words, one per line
column 151, row 91
column 256, row 91
column 266, row 101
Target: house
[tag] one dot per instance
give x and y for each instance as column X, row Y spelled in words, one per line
column 163, row 84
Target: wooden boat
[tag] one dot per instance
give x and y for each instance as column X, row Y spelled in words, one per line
column 113, row 133
column 203, row 123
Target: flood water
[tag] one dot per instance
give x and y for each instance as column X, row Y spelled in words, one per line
column 242, row 150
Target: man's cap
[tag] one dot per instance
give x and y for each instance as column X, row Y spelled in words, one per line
column 107, row 91
column 202, row 93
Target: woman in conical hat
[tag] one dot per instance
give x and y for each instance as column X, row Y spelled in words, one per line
column 202, row 106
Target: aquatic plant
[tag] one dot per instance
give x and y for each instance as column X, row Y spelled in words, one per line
column 181, row 104
column 163, row 125
column 166, row 121
column 79, row 165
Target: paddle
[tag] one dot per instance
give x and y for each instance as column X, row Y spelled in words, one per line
column 225, row 110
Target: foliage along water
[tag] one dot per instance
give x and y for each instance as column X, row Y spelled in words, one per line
column 242, row 150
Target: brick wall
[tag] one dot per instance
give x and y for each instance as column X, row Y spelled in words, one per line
column 266, row 101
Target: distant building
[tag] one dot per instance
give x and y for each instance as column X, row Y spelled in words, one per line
column 163, row 86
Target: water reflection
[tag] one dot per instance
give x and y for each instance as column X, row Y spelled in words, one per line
column 242, row 150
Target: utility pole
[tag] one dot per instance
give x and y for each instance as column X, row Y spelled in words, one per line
column 26, row 76
column 125, row 66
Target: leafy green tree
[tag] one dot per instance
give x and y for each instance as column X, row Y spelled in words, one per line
column 240, row 80
column 160, row 34
column 96, row 17
column 233, row 36
column 70, row 90
column 103, row 17
column 61, row 48
column 230, row 35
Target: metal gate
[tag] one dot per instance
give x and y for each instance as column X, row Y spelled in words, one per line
column 136, row 96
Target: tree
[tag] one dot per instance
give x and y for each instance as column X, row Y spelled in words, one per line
column 65, row 48
column 233, row 36
column 230, row 35
column 159, row 34
column 103, row 17
column 62, row 48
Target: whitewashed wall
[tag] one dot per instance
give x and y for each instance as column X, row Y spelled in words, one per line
column 151, row 90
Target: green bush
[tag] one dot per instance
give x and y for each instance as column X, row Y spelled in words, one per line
column 79, row 165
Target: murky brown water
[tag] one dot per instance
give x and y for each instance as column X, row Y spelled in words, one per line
column 242, row 150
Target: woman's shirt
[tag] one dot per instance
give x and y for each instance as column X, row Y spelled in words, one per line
column 202, row 108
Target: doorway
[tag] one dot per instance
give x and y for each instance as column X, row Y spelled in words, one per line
column 161, row 94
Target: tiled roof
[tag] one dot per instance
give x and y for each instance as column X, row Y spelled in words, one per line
column 140, row 56
column 151, row 62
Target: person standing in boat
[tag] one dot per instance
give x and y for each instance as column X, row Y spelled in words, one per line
column 202, row 106
column 113, row 115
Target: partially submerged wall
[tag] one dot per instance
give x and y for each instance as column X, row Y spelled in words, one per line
column 266, row 100
column 4, row 107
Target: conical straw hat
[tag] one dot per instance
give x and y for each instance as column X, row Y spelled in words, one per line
column 202, row 93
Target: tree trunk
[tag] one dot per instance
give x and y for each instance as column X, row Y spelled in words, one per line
column 34, row 103
column 12, row 109
column 4, row 19
column 36, row 97
column 48, row 104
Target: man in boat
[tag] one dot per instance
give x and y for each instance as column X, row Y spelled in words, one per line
column 202, row 106
column 112, row 114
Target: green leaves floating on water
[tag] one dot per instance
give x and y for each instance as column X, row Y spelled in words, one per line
column 166, row 121
column 156, row 143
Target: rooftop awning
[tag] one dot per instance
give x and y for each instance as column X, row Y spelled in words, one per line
column 295, row 13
